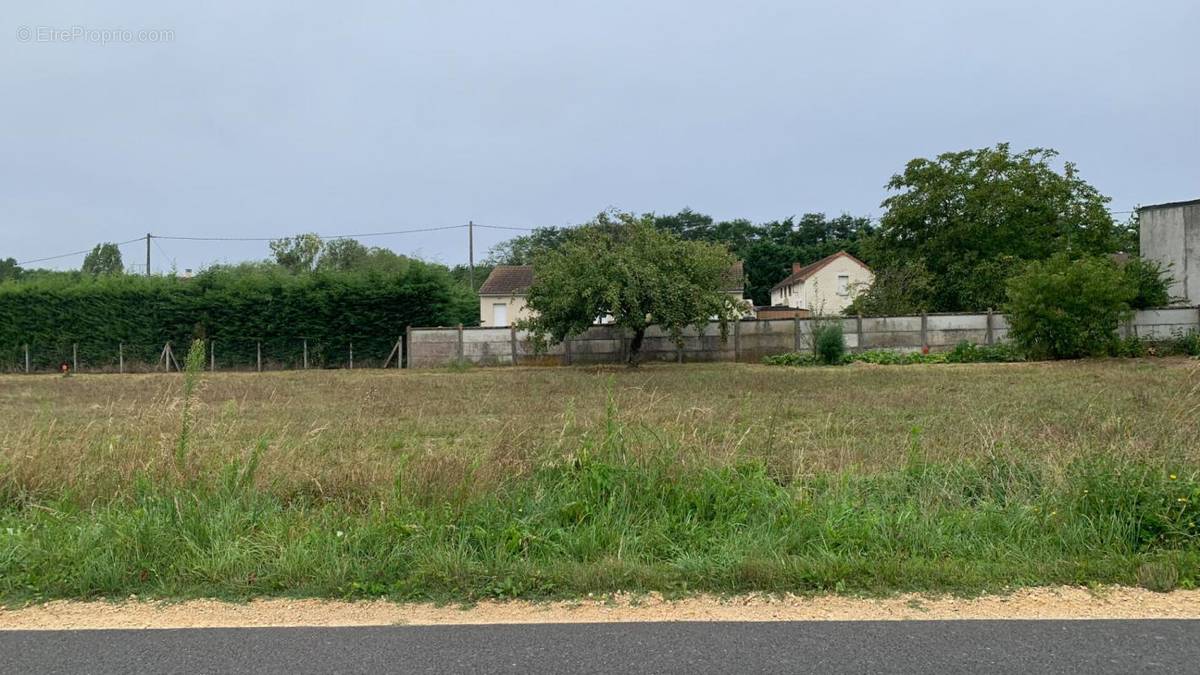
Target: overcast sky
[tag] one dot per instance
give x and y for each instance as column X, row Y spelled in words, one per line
column 265, row 119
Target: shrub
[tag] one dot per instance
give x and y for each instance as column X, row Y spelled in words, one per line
column 1062, row 308
column 829, row 344
column 966, row 352
column 1158, row 576
column 791, row 359
column 1129, row 347
column 1151, row 282
column 963, row 352
column 892, row 357
column 1185, row 343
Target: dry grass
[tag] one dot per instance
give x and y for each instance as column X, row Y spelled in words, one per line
column 354, row 435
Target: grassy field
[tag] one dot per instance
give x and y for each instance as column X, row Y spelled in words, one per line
column 556, row 482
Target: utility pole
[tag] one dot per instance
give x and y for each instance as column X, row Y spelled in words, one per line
column 471, row 252
column 147, row 254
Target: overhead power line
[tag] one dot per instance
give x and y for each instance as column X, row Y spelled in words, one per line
column 331, row 237
column 501, row 227
column 68, row 255
column 322, row 236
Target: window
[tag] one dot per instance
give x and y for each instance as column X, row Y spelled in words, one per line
column 500, row 314
column 843, row 286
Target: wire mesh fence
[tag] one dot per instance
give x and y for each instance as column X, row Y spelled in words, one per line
column 234, row 354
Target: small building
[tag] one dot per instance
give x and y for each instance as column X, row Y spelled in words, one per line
column 826, row 286
column 502, row 295
column 1170, row 235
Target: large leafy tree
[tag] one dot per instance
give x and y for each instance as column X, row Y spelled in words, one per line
column 103, row 259
column 298, row 253
column 972, row 219
column 9, row 270
column 342, row 255
column 770, row 248
column 522, row 250
column 621, row 265
column 348, row 255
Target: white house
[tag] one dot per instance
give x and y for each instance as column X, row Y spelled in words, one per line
column 827, row 286
column 502, row 295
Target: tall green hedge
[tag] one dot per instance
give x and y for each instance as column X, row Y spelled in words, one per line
column 236, row 308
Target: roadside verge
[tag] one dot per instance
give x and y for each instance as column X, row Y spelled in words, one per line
column 1038, row 603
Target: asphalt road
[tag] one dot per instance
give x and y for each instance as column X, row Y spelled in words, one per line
column 693, row 648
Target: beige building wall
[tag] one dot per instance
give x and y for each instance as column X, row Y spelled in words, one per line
column 514, row 310
column 829, row 290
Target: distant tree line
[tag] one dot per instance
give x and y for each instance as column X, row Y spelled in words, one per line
column 956, row 229
column 767, row 249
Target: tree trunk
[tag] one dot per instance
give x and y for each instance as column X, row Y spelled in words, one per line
column 635, row 348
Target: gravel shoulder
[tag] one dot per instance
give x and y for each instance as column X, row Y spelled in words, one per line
column 1039, row 603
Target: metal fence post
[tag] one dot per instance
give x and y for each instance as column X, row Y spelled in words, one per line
column 407, row 346
column 858, row 329
column 74, row 357
column 306, row 353
column 924, row 331
column 795, row 333
column 26, row 358
column 459, row 352
column 352, row 355
column 121, row 357
column 258, row 355
column 988, row 335
column 212, row 355
column 513, row 342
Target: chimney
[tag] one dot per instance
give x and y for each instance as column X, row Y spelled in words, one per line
column 796, row 267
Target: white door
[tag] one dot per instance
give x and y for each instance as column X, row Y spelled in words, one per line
column 500, row 314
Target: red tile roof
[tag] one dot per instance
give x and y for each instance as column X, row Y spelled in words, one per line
column 803, row 273
column 508, row 280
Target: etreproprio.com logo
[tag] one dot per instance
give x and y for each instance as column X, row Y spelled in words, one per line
column 102, row 36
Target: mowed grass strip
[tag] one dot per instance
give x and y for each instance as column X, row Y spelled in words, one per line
column 557, row 482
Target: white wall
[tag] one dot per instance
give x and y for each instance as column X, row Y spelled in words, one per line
column 515, row 304
column 1171, row 236
column 819, row 293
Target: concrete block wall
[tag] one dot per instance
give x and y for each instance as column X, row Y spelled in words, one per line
column 1161, row 324
column 747, row 341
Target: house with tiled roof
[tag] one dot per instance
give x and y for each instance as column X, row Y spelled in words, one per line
column 502, row 295
column 826, row 286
